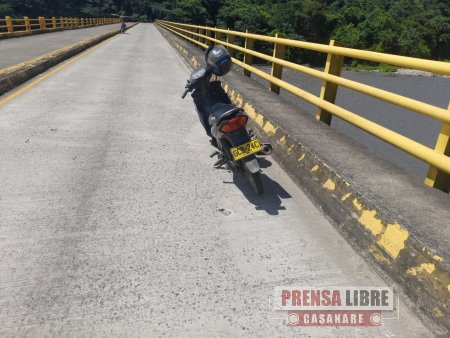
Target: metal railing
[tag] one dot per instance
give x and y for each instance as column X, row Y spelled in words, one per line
column 438, row 158
column 11, row 26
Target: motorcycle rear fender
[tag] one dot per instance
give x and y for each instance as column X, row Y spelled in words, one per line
column 251, row 162
column 237, row 138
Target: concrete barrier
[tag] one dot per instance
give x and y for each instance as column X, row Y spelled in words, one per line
column 14, row 76
column 398, row 225
column 19, row 34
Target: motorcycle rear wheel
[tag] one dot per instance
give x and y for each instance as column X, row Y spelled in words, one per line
column 255, row 181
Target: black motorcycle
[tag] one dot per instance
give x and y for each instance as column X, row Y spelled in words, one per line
column 226, row 124
column 123, row 27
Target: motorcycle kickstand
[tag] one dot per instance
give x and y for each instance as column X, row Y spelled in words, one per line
column 219, row 163
column 214, row 153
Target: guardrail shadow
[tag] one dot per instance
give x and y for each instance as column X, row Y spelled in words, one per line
column 272, row 199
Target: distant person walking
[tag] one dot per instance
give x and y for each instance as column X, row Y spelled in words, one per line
column 123, row 27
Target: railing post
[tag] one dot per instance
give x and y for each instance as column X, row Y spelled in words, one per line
column 9, row 24
column 82, row 22
column 61, row 22
column 217, row 36
column 193, row 30
column 42, row 23
column 277, row 70
column 230, row 40
column 435, row 178
column 196, row 37
column 248, row 58
column 329, row 90
column 189, row 35
column 54, row 22
column 201, row 32
column 208, row 34
column 26, row 20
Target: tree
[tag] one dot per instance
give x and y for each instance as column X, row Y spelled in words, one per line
column 418, row 28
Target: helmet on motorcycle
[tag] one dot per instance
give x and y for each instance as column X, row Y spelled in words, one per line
column 218, row 58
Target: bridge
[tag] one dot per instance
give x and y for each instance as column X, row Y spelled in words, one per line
column 113, row 221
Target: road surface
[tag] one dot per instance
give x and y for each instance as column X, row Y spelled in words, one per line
column 17, row 50
column 114, row 223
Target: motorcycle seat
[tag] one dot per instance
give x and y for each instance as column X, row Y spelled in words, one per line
column 221, row 111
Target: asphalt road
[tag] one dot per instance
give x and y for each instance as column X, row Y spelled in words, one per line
column 114, row 223
column 429, row 89
column 17, row 50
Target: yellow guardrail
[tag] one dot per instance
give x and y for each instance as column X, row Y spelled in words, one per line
column 438, row 158
column 11, row 26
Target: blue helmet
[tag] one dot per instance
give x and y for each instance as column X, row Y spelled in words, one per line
column 218, row 58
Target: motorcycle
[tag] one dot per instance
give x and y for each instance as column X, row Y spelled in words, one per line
column 123, row 27
column 236, row 147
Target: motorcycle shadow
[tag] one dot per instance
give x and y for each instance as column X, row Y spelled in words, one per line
column 271, row 200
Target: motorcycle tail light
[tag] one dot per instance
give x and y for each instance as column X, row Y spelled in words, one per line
column 234, row 124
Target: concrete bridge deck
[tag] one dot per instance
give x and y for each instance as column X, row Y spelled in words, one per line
column 114, row 223
column 17, row 50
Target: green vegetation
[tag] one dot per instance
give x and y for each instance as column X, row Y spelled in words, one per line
column 381, row 67
column 419, row 28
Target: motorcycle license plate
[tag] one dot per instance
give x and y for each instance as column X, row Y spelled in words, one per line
column 245, row 149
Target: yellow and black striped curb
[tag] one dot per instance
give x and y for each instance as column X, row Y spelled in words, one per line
column 370, row 228
column 14, row 76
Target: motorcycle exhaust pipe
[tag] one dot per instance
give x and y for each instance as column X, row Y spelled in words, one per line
column 266, row 149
